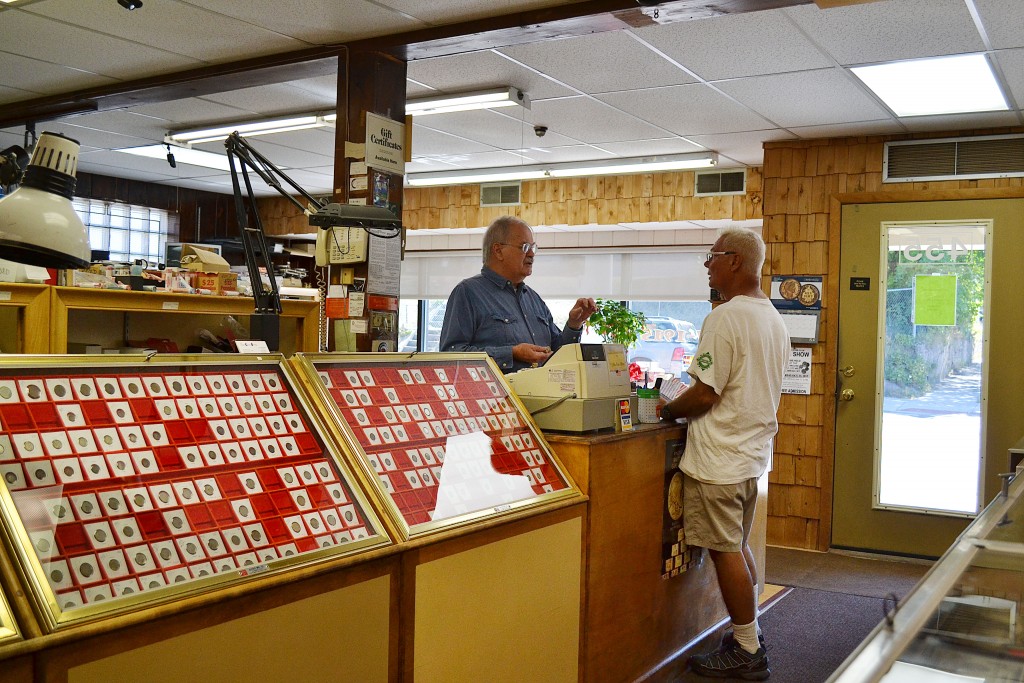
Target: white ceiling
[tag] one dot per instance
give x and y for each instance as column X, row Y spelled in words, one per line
column 724, row 83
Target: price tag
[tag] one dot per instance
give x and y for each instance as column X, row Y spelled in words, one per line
column 5, row 296
column 170, row 305
column 251, row 346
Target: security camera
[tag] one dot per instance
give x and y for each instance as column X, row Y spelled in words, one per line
column 540, row 130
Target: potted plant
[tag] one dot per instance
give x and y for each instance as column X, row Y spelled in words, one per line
column 616, row 323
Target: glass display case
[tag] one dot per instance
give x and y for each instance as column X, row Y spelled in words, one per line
column 963, row 621
column 440, row 435
column 129, row 481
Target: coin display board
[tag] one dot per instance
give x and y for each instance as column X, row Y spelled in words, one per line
column 126, row 483
column 441, row 435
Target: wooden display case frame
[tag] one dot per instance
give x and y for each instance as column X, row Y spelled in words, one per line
column 311, row 367
column 242, row 479
column 9, row 631
column 33, row 317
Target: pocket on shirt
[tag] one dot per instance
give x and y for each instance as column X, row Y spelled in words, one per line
column 505, row 327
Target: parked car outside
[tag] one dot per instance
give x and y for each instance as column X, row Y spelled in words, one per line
column 666, row 347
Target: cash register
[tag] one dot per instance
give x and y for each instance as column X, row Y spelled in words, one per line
column 577, row 389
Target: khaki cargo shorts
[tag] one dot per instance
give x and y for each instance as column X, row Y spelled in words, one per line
column 718, row 516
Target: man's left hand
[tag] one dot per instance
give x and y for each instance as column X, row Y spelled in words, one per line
column 581, row 312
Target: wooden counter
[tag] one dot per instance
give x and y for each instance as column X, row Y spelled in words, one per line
column 636, row 624
column 24, row 318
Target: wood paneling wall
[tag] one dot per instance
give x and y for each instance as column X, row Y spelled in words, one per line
column 805, row 185
column 640, row 198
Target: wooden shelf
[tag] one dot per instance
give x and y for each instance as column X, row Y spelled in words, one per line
column 78, row 312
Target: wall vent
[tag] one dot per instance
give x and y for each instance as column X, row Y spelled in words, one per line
column 993, row 156
column 720, row 182
column 500, row 194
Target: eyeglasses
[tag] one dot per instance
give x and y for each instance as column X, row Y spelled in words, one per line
column 525, row 247
column 712, row 254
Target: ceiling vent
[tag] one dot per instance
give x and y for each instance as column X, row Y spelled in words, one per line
column 720, row 182
column 994, row 156
column 500, row 194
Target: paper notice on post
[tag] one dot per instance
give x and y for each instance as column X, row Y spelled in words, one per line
column 797, row 378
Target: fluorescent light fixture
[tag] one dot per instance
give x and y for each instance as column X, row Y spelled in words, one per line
column 183, row 155
column 672, row 162
column 38, row 225
column 937, row 85
column 484, row 99
column 195, row 137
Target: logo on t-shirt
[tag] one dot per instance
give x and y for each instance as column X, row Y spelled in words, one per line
column 704, row 360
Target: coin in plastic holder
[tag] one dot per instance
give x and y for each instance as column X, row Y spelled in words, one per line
column 114, row 563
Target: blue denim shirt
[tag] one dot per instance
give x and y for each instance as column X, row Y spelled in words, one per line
column 486, row 313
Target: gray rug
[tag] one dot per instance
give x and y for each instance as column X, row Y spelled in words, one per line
column 866, row 577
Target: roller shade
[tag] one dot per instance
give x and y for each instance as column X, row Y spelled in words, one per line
column 641, row 275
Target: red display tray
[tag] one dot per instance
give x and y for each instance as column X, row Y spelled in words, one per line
column 443, row 436
column 127, row 480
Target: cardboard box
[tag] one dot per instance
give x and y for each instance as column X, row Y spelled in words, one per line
column 203, row 261
column 19, row 272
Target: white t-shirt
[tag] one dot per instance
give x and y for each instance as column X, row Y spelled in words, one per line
column 742, row 354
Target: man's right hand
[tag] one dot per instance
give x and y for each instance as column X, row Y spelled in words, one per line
column 530, row 353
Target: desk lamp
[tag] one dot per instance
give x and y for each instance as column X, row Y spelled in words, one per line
column 38, row 225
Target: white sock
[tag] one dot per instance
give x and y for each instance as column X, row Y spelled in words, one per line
column 746, row 636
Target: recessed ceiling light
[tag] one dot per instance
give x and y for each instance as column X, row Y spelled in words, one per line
column 938, row 85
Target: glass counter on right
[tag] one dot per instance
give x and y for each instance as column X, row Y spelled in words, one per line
column 963, row 621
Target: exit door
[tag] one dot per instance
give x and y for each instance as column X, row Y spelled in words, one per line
column 924, row 319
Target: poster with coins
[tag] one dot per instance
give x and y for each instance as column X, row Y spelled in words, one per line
column 440, row 435
column 130, row 483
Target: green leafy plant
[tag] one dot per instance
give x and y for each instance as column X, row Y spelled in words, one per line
column 616, row 323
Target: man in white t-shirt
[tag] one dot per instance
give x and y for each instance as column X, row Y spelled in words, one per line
column 731, row 409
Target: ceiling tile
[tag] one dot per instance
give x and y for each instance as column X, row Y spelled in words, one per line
column 889, row 126
column 1002, row 21
column 737, row 45
column 572, row 61
column 591, row 121
column 36, row 77
column 478, row 71
column 1011, row 63
column 485, row 126
column 451, row 11
column 744, row 148
column 482, row 160
column 895, row 29
column 557, row 155
column 14, row 94
column 193, row 112
column 275, row 99
column 314, row 21
column 37, row 37
column 210, row 37
column 962, row 122
column 687, row 110
column 123, row 123
column 807, row 98
column 429, row 142
column 643, row 148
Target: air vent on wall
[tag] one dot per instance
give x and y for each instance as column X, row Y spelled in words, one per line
column 993, row 156
column 720, row 182
column 500, row 194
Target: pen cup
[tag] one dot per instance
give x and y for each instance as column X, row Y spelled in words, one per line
column 647, row 405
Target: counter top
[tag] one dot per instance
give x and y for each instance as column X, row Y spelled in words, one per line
column 609, row 436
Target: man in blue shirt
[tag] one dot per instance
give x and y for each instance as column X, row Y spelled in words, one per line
column 496, row 312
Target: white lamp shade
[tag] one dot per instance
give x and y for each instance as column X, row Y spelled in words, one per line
column 42, row 229
column 38, row 225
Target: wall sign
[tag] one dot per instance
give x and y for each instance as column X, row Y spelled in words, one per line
column 385, row 144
